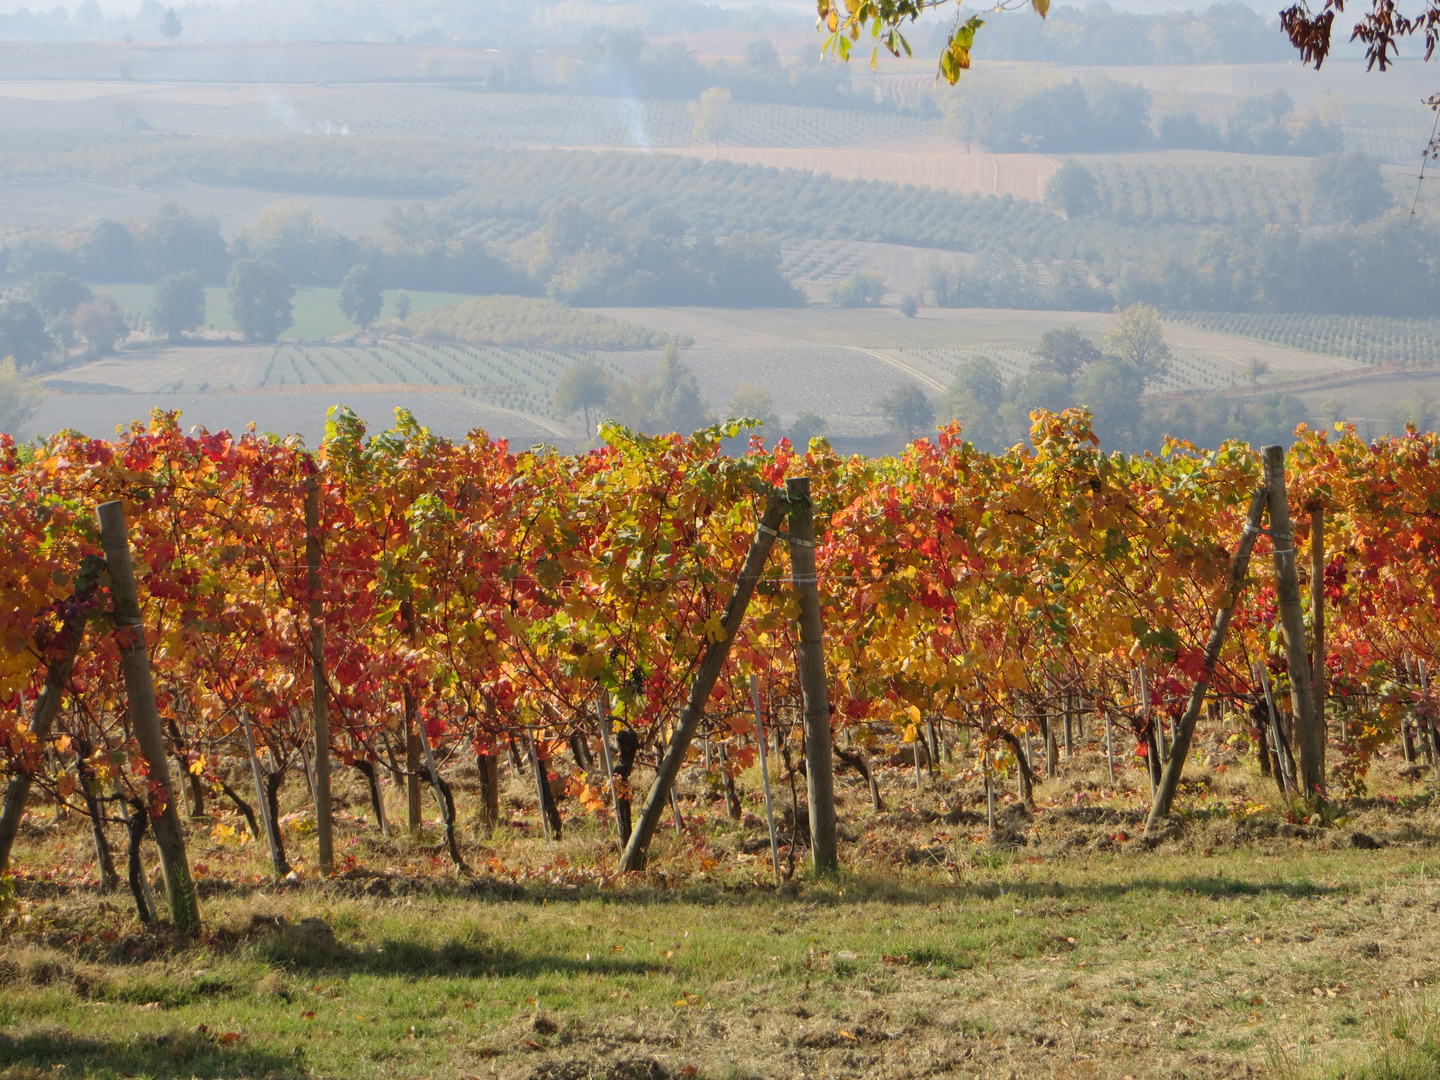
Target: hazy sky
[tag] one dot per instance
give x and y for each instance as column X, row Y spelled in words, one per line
column 806, row 7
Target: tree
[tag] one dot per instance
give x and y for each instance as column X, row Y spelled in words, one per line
column 713, row 114
column 361, row 296
column 1111, row 389
column 260, row 299
column 174, row 239
column 101, row 322
column 909, row 305
column 1379, row 29
column 303, row 243
column 1309, row 31
column 23, row 334
column 1072, row 190
column 974, row 398
column 863, row 288
column 1137, row 338
column 583, row 386
column 668, row 400
column 807, row 426
column 110, row 253
column 751, row 402
column 907, row 410
column 1348, row 188
column 170, row 25
column 19, row 397
column 55, row 293
column 402, row 305
column 1065, row 352
column 677, row 404
column 1042, row 387
column 414, row 225
column 178, row 304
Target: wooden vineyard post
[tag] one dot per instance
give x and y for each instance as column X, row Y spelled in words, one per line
column 549, row 813
column 819, row 764
column 1309, row 731
column 47, row 707
column 1317, row 613
column 712, row 660
column 488, row 768
column 1185, row 730
column 320, row 698
column 765, row 775
column 144, row 716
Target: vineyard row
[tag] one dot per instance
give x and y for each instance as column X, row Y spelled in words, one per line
column 249, row 610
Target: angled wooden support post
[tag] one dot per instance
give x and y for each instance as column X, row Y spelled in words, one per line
column 1309, row 729
column 711, row 661
column 1184, row 731
column 42, row 718
column 144, row 715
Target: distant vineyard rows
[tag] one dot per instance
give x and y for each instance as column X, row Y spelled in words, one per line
column 1394, row 132
column 522, row 379
column 1137, row 194
column 1371, row 339
column 1188, row 371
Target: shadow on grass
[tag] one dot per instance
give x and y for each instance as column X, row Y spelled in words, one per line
column 851, row 889
column 297, row 947
column 178, row 1055
column 856, row 890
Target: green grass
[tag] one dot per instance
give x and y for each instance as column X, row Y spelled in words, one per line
column 317, row 310
column 1120, row 961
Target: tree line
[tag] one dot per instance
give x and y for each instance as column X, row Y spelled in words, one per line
column 1098, row 34
column 1110, row 382
column 1008, row 114
column 1339, row 257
